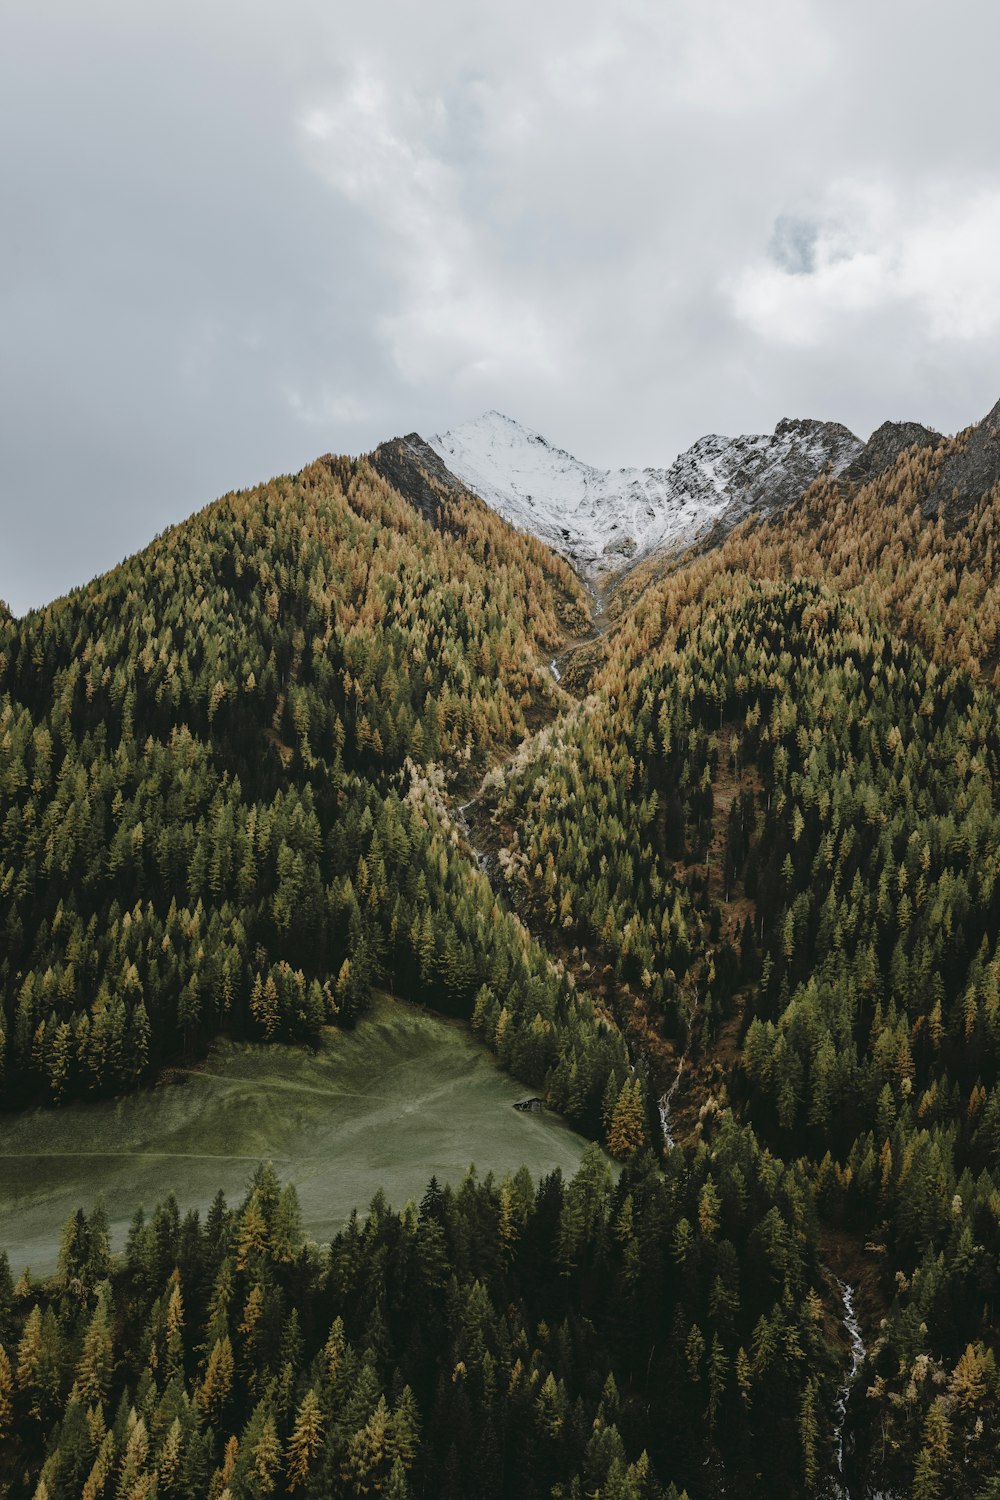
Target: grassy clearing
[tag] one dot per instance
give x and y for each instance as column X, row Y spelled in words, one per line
column 405, row 1096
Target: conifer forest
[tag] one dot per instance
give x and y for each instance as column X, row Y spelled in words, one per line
column 708, row 862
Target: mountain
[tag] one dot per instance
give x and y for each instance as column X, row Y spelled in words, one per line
column 288, row 655
column 732, row 911
column 604, row 520
column 885, row 445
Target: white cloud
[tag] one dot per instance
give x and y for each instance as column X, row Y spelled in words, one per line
column 449, row 321
column 360, row 220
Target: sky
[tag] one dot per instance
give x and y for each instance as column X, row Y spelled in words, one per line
column 236, row 236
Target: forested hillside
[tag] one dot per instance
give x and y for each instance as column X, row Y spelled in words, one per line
column 205, row 821
column 910, row 530
column 844, row 923
column 505, row 1338
column 734, row 911
column 769, row 841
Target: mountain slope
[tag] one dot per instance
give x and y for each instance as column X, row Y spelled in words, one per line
column 912, row 528
column 604, row 520
column 757, row 867
column 776, row 839
column 213, row 808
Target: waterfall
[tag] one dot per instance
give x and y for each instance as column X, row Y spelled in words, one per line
column 665, row 1102
column 482, row 860
column 667, row 1099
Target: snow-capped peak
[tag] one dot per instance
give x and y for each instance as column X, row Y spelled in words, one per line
column 603, row 520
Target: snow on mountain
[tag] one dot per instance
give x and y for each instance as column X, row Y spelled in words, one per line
column 603, row 520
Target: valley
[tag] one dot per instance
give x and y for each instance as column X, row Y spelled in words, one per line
column 500, row 753
column 700, row 848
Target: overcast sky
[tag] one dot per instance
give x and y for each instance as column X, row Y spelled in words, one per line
column 235, row 236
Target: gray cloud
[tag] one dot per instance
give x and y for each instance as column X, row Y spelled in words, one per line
column 236, row 236
column 793, row 244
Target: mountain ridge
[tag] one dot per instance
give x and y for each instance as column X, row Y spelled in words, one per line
column 969, row 473
column 604, row 521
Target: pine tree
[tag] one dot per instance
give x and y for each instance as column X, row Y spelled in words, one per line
column 627, row 1134
column 306, row 1440
column 404, row 1439
column 93, row 1372
column 169, row 1461
column 252, row 1235
column 334, row 1351
column 930, row 1474
column 266, row 1460
column 286, row 1230
column 213, row 1393
column 134, row 1481
column 744, row 1376
column 709, row 1209
column 99, row 1259
column 74, row 1250
column 101, row 1469
column 718, row 1367
column 6, row 1393
column 369, row 1452
column 695, row 1352
column 30, row 1363
column 397, row 1487
column 809, row 1435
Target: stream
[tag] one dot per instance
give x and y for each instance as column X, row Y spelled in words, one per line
column 858, row 1353
column 850, row 1322
column 482, row 860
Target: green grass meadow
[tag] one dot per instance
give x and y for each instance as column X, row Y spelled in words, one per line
column 405, row 1096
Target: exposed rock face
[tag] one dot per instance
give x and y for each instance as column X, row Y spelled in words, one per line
column 884, row 447
column 777, row 470
column 413, row 468
column 603, row 521
column 966, row 476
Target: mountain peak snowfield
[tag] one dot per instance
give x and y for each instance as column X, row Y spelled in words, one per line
column 604, row 520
